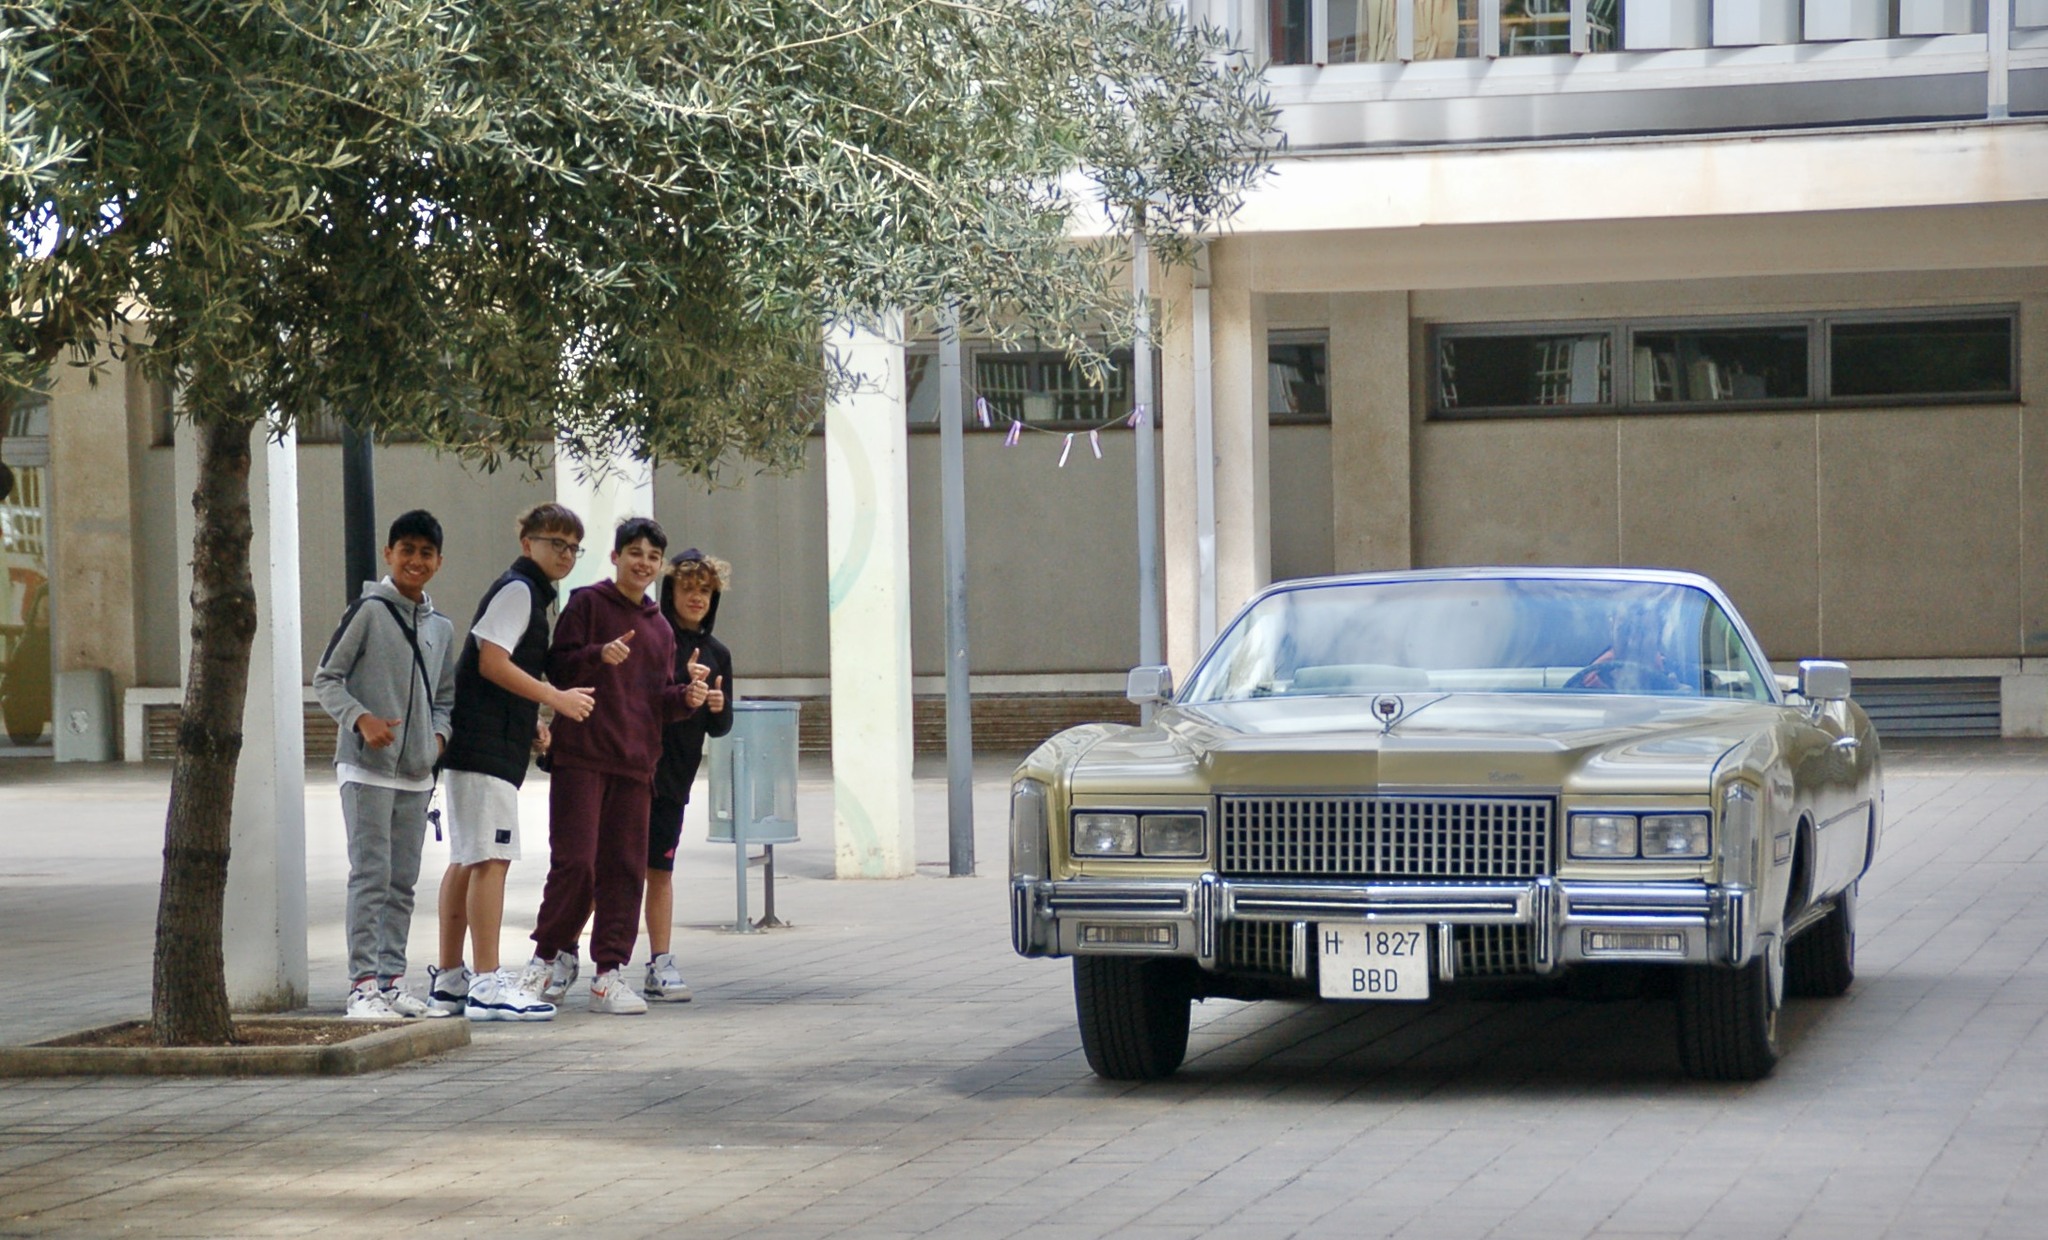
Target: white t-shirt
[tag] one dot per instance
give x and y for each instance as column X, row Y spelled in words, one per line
column 504, row 621
column 345, row 773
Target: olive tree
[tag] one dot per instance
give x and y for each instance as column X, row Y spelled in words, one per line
column 514, row 228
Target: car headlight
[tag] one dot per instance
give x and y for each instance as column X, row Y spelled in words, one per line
column 1677, row 836
column 1171, row 835
column 1131, row 834
column 1105, row 835
column 1603, row 835
column 1027, row 828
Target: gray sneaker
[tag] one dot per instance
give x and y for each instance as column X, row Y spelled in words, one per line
column 561, row 974
column 665, row 981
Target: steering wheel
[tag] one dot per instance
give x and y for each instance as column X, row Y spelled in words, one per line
column 1606, row 670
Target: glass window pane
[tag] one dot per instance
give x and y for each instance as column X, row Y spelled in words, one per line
column 1510, row 372
column 1047, row 387
column 921, row 388
column 1447, row 29
column 1297, row 382
column 1724, row 364
column 1536, row 27
column 1921, row 357
column 1287, row 31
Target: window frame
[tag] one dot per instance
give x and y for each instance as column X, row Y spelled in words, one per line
column 1622, row 333
column 1295, row 336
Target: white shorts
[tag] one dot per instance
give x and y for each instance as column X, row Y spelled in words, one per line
column 483, row 818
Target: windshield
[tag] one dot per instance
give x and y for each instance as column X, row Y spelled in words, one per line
column 1484, row 635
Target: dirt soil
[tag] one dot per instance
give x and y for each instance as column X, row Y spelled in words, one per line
column 310, row 1031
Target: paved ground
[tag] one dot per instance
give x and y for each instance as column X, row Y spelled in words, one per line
column 888, row 1068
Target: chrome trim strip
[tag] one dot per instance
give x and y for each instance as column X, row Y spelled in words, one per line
column 1465, row 902
column 1299, row 963
column 1111, row 900
column 1207, row 914
column 1446, row 953
column 1543, row 938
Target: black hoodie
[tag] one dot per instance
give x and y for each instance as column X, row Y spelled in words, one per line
column 682, row 743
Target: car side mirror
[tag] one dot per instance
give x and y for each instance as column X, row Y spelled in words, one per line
column 1823, row 680
column 1150, row 686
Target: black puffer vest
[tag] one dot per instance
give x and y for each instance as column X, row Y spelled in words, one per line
column 492, row 728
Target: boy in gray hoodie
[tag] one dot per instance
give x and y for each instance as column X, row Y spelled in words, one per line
column 388, row 679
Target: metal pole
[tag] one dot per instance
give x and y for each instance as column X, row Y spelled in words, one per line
column 1998, row 66
column 742, row 825
column 1148, row 481
column 358, row 513
column 1205, row 466
column 953, row 520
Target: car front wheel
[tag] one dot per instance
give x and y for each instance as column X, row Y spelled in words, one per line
column 1728, row 1018
column 1821, row 962
column 1133, row 1014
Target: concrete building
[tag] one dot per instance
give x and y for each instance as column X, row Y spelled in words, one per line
column 1752, row 287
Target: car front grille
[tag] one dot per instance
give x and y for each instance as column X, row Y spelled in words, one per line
column 1267, row 947
column 1387, row 837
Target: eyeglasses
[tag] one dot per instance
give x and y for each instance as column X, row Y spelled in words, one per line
column 562, row 546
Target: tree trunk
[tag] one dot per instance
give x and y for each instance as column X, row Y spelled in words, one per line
column 190, row 992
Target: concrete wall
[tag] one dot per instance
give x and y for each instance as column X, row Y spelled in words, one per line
column 1908, row 533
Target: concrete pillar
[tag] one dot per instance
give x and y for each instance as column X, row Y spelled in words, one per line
column 603, row 494
column 1371, row 456
column 1179, row 555
column 92, row 532
column 867, row 519
column 264, row 931
column 1244, row 542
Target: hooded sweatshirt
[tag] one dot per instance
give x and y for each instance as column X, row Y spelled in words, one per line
column 682, row 744
column 634, row 699
column 369, row 669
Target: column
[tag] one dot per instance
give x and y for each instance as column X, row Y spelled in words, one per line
column 867, row 518
column 603, row 493
column 1237, row 322
column 1180, row 370
column 1370, row 432
column 264, row 929
column 91, row 534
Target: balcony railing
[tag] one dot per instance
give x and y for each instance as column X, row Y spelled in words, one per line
column 1582, row 66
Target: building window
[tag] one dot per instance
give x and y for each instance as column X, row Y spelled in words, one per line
column 1702, row 365
column 1368, row 31
column 1048, row 388
column 1524, row 370
column 1923, row 358
column 1298, row 376
column 1487, row 370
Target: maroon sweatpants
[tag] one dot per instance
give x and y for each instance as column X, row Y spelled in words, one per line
column 597, row 834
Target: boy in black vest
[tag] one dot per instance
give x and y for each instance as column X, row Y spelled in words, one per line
column 498, row 696
column 387, row 680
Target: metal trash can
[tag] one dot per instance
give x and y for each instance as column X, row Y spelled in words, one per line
column 753, row 775
column 84, row 716
column 753, row 796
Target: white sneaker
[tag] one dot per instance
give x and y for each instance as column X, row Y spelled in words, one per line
column 561, row 975
column 409, row 1006
column 609, row 992
column 499, row 996
column 366, row 1002
column 533, row 978
column 665, row 980
column 448, row 989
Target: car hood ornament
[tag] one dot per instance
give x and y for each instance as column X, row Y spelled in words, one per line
column 1388, row 708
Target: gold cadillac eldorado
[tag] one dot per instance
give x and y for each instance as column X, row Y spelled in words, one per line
column 1380, row 787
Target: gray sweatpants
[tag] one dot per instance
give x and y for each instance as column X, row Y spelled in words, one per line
column 386, row 831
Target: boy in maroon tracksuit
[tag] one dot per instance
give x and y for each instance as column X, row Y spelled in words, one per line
column 613, row 640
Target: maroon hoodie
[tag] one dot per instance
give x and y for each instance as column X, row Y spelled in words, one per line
column 635, row 699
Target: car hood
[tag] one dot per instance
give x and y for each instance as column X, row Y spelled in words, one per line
column 1578, row 743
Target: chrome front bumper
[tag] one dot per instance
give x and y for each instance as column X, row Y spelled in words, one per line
column 1571, row 921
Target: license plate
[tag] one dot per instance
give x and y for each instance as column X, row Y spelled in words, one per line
column 1373, row 960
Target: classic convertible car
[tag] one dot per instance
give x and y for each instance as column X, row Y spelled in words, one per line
column 1374, row 788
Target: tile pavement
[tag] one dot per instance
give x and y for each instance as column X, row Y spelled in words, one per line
column 886, row 1068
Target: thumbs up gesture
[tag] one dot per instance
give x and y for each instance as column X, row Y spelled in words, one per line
column 696, row 694
column 715, row 698
column 619, row 648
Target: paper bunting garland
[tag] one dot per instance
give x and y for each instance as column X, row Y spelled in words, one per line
column 981, row 410
column 1095, row 442
column 1065, row 448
